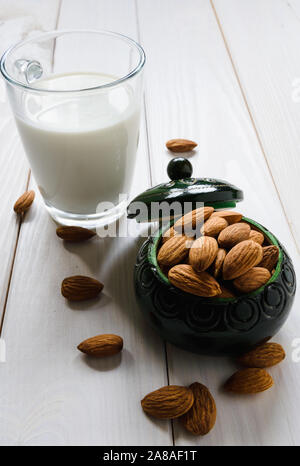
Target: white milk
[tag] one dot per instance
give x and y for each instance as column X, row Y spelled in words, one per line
column 81, row 148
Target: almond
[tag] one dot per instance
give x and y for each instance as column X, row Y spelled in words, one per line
column 74, row 234
column 180, row 145
column 257, row 237
column 270, row 257
column 24, row 202
column 102, row 345
column 266, row 355
column 218, row 263
column 252, row 380
column 189, row 222
column 168, row 402
column 169, row 234
column 202, row 284
column 233, row 235
column 225, row 293
column 201, row 418
column 173, row 251
column 213, row 226
column 252, row 280
column 202, row 253
column 80, row 288
column 241, row 258
column 229, row 215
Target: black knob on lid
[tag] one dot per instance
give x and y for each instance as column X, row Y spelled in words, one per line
column 179, row 168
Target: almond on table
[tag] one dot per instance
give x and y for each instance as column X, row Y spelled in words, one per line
column 180, row 145
column 102, row 345
column 201, row 418
column 252, row 380
column 265, row 355
column 168, row 402
column 23, row 203
column 74, row 234
column 80, row 288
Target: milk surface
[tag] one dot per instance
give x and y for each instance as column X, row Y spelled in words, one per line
column 81, row 147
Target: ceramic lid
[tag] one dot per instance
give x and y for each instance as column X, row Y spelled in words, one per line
column 210, row 191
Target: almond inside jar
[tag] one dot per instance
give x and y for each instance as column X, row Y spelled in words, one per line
column 215, row 284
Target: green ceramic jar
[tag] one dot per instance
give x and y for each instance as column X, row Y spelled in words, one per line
column 210, row 325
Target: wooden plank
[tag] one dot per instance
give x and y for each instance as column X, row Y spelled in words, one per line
column 192, row 92
column 16, row 23
column 52, row 394
column 268, row 66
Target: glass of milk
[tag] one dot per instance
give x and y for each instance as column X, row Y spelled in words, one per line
column 76, row 98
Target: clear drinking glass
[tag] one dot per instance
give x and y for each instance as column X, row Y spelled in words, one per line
column 76, row 98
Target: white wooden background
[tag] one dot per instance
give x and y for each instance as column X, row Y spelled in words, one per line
column 225, row 73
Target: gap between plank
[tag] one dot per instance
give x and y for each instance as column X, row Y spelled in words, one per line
column 151, row 184
column 251, row 117
column 13, row 261
column 168, row 382
column 56, row 25
column 144, row 99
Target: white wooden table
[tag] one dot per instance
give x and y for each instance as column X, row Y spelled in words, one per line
column 225, row 73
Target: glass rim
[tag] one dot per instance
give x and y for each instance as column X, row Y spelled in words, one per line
column 131, row 74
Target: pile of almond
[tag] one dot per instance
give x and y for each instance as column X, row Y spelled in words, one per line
column 195, row 406
column 212, row 253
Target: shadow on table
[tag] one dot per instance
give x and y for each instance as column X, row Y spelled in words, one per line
column 102, row 364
